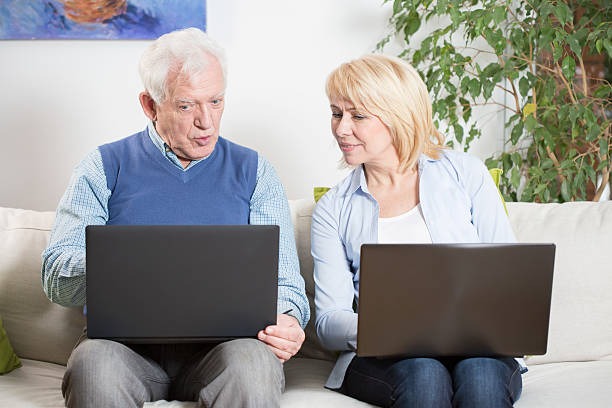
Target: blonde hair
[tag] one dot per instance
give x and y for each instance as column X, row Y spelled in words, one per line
column 392, row 90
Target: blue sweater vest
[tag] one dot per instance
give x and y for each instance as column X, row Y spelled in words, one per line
column 147, row 189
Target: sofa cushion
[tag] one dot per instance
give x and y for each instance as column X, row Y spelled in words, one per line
column 576, row 384
column 581, row 305
column 39, row 329
column 304, row 386
column 301, row 216
column 36, row 384
column 570, row 384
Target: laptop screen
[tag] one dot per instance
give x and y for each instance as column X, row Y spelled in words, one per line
column 181, row 283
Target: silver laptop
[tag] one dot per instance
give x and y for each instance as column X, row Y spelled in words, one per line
column 169, row 284
column 454, row 299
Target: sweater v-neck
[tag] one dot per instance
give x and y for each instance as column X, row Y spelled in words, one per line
column 160, row 159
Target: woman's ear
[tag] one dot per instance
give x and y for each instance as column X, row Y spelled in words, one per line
column 148, row 105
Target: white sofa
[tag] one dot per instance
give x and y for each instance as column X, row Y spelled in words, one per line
column 576, row 371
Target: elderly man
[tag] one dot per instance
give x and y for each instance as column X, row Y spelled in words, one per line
column 177, row 171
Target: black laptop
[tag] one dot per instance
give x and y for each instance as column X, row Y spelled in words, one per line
column 425, row 300
column 170, row 284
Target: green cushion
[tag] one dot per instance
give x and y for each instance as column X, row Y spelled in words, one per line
column 319, row 192
column 8, row 359
column 495, row 173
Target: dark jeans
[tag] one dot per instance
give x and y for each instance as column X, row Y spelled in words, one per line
column 431, row 382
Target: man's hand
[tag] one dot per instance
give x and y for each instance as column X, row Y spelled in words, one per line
column 285, row 338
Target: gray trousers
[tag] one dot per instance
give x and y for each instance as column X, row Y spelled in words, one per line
column 237, row 373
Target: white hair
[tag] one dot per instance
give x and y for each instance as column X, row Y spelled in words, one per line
column 182, row 52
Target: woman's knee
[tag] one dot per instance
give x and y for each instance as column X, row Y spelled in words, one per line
column 421, row 371
column 421, row 382
column 485, row 382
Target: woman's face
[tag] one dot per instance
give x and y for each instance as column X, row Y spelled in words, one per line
column 362, row 137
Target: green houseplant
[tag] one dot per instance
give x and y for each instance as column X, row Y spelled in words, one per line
column 548, row 57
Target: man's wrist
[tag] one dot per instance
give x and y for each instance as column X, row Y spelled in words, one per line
column 292, row 313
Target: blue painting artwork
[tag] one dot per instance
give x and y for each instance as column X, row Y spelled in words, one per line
column 98, row 19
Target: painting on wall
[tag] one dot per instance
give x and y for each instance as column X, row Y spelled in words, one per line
column 98, row 19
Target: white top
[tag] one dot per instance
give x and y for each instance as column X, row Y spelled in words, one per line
column 407, row 228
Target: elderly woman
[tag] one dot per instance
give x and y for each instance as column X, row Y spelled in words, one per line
column 405, row 188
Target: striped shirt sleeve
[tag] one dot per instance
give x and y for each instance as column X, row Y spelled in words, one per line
column 84, row 203
column 269, row 206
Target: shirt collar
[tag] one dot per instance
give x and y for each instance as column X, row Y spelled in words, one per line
column 166, row 150
column 156, row 139
column 424, row 158
column 358, row 179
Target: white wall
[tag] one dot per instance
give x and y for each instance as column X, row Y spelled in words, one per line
column 61, row 99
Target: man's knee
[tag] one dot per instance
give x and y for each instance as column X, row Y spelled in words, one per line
column 92, row 359
column 241, row 373
column 252, row 364
column 98, row 372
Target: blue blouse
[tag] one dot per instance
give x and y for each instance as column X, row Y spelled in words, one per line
column 460, row 204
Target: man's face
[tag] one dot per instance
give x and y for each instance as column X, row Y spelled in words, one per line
column 188, row 120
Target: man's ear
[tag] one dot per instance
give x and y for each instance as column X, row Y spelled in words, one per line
column 148, row 105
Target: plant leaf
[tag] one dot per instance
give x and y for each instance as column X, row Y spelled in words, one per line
column 530, row 123
column 529, row 109
column 517, row 131
column 466, row 108
column 547, row 163
column 487, row 89
column 524, row 86
column 574, row 45
column 499, row 14
column 557, row 52
column 568, row 66
column 607, row 43
column 515, row 178
column 474, row 87
column 565, row 191
column 539, row 188
column 458, row 132
column 397, row 4
column 412, row 24
column 603, row 91
column 560, row 12
column 591, row 173
column 465, row 85
column 603, row 148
